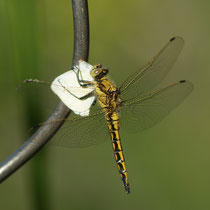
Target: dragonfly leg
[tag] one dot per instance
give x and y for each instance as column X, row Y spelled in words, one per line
column 88, row 95
column 82, row 83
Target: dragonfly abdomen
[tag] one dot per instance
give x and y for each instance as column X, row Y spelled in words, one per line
column 113, row 124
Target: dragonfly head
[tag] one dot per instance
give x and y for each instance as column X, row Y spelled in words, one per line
column 99, row 71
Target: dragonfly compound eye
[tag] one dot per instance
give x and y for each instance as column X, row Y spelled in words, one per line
column 98, row 66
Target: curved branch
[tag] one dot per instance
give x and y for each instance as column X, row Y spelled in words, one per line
column 45, row 132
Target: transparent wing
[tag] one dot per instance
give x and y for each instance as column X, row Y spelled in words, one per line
column 146, row 111
column 34, row 88
column 35, row 85
column 82, row 131
column 152, row 73
column 39, row 91
column 76, row 131
column 38, row 98
column 78, row 99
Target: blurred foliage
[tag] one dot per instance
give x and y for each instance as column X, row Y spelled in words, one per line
column 168, row 165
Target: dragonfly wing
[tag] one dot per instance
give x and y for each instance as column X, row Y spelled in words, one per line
column 146, row 111
column 76, row 131
column 67, row 90
column 82, row 131
column 153, row 72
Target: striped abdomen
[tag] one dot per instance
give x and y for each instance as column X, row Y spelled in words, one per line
column 113, row 124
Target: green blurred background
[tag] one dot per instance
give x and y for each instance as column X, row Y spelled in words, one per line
column 168, row 165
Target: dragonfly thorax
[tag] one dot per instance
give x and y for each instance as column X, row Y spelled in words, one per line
column 99, row 71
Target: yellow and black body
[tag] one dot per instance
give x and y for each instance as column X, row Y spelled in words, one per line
column 109, row 99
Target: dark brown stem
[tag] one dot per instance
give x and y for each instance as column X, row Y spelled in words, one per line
column 81, row 46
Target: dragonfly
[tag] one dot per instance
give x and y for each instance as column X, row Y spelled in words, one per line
column 136, row 105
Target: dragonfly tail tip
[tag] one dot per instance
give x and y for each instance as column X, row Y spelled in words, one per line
column 172, row 39
column 127, row 189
